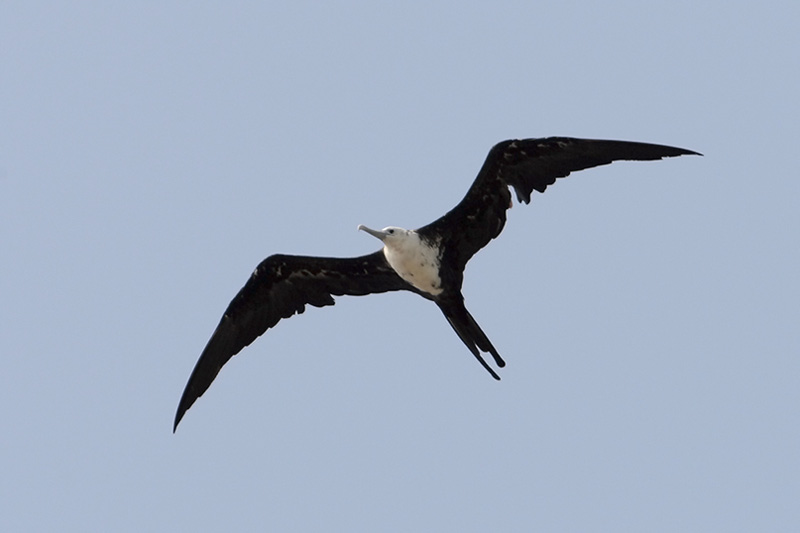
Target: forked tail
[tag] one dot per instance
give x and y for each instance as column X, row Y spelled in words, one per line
column 470, row 333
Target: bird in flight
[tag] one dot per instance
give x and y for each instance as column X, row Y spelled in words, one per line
column 429, row 261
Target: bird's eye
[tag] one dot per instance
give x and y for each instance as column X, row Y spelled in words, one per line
column 391, row 231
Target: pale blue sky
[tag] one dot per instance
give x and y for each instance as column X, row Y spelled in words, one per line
column 152, row 154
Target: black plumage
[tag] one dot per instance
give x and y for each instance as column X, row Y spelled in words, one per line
column 282, row 285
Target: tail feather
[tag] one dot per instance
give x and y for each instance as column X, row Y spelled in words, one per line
column 483, row 341
column 471, row 334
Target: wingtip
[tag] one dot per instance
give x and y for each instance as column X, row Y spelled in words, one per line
column 178, row 417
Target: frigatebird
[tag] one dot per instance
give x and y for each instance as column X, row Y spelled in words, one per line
column 429, row 261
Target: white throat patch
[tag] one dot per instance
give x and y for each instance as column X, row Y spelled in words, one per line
column 414, row 261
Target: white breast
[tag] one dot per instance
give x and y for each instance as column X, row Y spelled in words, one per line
column 414, row 261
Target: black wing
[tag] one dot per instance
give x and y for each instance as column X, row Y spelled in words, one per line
column 526, row 165
column 279, row 287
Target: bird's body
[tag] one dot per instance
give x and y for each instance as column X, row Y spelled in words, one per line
column 429, row 261
column 415, row 260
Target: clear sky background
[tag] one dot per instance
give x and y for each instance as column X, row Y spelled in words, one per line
column 152, row 154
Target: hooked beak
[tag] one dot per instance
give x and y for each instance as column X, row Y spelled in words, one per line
column 375, row 233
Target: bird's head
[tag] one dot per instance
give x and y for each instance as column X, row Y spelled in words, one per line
column 390, row 235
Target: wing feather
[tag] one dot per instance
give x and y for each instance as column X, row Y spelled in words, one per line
column 282, row 286
column 526, row 165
